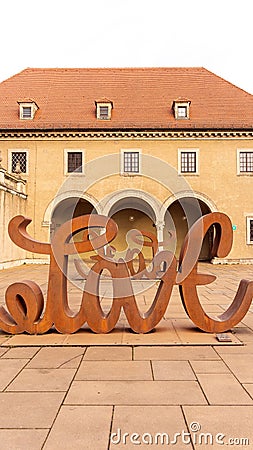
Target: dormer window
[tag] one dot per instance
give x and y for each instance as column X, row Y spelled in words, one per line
column 27, row 109
column 104, row 109
column 181, row 109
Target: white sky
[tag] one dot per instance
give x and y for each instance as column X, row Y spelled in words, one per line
column 215, row 34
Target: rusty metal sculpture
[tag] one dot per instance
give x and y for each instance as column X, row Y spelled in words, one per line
column 25, row 300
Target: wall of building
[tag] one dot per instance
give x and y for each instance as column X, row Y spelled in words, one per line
column 13, row 201
column 217, row 181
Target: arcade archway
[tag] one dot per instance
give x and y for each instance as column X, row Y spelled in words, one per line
column 132, row 213
column 69, row 208
column 179, row 217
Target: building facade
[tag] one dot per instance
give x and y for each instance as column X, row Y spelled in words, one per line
column 153, row 148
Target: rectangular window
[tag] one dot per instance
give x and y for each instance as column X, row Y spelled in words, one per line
column 75, row 162
column 188, row 162
column 103, row 112
column 19, row 162
column 26, row 112
column 249, row 230
column 246, row 162
column 131, row 162
column 181, row 111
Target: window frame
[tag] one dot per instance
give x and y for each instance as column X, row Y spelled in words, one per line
column 100, row 105
column 32, row 105
column 24, row 116
column 122, row 162
column 181, row 104
column 181, row 108
column 188, row 150
column 18, row 150
column 73, row 150
column 239, row 172
column 102, row 115
column 249, row 219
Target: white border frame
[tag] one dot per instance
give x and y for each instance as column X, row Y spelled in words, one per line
column 188, row 150
column 130, row 150
column 13, row 150
column 73, row 150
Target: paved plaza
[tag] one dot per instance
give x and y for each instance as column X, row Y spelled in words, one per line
column 123, row 390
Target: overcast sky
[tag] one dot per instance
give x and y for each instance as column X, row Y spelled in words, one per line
column 215, row 34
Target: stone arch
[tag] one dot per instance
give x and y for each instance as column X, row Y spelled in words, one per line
column 75, row 195
column 180, row 212
column 185, row 194
column 109, row 201
column 132, row 209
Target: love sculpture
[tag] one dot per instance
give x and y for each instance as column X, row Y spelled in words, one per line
column 25, row 300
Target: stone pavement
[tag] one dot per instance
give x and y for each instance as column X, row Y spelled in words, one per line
column 74, row 391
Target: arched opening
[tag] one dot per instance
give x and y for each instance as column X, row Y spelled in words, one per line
column 69, row 208
column 179, row 217
column 132, row 213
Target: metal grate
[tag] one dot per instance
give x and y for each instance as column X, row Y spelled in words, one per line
column 75, row 162
column 188, row 162
column 131, row 162
column 246, row 161
column 20, row 157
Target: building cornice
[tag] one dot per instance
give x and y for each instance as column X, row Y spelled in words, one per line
column 125, row 134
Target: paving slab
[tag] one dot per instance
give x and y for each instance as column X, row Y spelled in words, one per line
column 4, row 340
column 114, row 370
column 16, row 439
column 87, row 337
column 172, row 370
column 134, row 393
column 245, row 334
column 174, row 353
column 22, row 340
column 249, row 389
column 53, row 358
column 209, row 367
column 39, row 380
column 241, row 366
column 155, row 427
column 9, row 369
column 20, row 352
column 108, row 353
column 223, row 389
column 81, row 427
column 3, row 351
column 247, row 349
column 163, row 334
column 189, row 334
column 223, row 423
column 29, row 409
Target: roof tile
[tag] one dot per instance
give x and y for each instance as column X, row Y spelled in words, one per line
column 142, row 99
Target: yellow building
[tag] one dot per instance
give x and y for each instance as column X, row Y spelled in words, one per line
column 153, row 148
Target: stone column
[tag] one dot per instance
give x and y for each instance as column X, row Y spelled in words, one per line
column 159, row 232
column 2, row 171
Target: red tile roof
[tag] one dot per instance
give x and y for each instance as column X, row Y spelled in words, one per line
column 142, row 99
